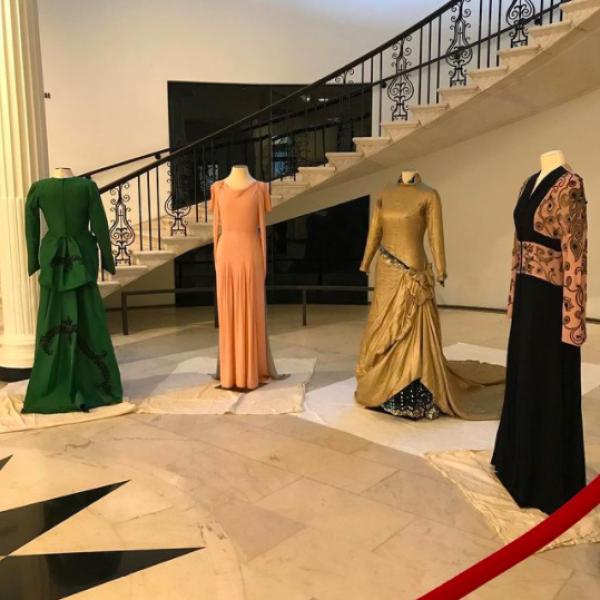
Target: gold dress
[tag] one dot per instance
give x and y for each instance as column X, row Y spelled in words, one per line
column 401, row 350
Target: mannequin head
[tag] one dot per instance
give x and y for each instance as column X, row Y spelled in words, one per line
column 62, row 172
column 552, row 159
column 408, row 175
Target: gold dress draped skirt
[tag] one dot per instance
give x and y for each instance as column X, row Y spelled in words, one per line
column 402, row 342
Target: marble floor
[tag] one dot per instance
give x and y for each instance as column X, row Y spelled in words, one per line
column 257, row 507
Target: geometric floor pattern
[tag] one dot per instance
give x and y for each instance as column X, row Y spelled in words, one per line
column 57, row 575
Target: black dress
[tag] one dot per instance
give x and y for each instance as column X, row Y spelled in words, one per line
column 539, row 455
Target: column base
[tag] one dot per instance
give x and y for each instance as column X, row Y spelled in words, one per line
column 8, row 374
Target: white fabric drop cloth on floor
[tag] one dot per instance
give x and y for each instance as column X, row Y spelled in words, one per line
column 474, row 476
column 334, row 406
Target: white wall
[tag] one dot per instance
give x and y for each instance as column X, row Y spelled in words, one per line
column 479, row 181
column 107, row 62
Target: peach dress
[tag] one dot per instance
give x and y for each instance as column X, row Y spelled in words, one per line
column 241, row 263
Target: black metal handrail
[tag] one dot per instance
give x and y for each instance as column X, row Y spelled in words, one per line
column 325, row 116
column 156, row 155
column 302, row 288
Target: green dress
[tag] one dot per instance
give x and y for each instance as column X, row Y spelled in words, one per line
column 74, row 366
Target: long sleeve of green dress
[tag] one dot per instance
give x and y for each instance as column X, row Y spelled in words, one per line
column 32, row 230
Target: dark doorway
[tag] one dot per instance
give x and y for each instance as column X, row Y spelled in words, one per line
column 321, row 248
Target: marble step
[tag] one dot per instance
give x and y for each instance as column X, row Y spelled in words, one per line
column 545, row 35
column 399, row 129
column 315, row 175
column 455, row 95
column 370, row 145
column 288, row 188
column 578, row 11
column 485, row 78
column 181, row 244
column 343, row 160
column 426, row 113
column 128, row 273
column 513, row 58
column 108, row 287
column 152, row 258
column 277, row 199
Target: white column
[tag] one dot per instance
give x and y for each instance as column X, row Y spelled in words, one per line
column 23, row 160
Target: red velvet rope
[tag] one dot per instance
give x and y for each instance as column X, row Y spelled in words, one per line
column 522, row 547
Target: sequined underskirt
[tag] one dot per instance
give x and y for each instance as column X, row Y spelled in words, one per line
column 415, row 402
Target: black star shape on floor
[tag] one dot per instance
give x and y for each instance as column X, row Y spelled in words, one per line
column 57, row 575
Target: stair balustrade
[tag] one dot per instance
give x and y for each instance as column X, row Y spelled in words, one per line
column 162, row 206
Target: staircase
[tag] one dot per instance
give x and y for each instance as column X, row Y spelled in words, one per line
column 468, row 68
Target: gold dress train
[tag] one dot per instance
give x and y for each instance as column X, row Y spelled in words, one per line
column 402, row 342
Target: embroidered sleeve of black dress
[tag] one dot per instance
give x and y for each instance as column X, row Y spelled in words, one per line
column 516, row 257
column 374, row 237
column 572, row 217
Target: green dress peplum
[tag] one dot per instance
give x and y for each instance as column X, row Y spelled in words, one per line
column 74, row 368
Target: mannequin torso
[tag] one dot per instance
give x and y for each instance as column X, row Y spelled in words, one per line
column 239, row 177
column 549, row 161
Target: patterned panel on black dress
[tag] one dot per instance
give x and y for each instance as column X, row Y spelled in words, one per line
column 415, row 402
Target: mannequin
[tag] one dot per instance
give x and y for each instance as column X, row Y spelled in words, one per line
column 401, row 367
column 239, row 178
column 62, row 173
column 549, row 161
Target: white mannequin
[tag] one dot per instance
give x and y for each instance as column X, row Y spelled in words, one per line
column 62, row 173
column 239, row 177
column 549, row 161
column 407, row 176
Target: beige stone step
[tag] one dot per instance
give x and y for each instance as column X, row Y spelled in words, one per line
column 152, row 258
column 108, row 287
column 485, row 78
column 128, row 273
column 288, row 188
column 315, row 175
column 370, row 145
column 578, row 11
column 276, row 199
column 455, row 95
column 200, row 229
column 182, row 244
column 399, row 129
column 343, row 160
column 545, row 35
column 426, row 113
column 513, row 58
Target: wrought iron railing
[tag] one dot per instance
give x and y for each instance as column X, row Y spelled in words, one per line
column 167, row 198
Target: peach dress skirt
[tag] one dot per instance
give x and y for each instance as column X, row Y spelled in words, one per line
column 240, row 262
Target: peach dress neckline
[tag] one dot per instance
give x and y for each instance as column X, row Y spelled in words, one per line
column 241, row 189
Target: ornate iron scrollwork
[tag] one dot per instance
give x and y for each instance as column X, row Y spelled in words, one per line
column 345, row 77
column 122, row 234
column 460, row 52
column 178, row 211
column 400, row 89
column 518, row 15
